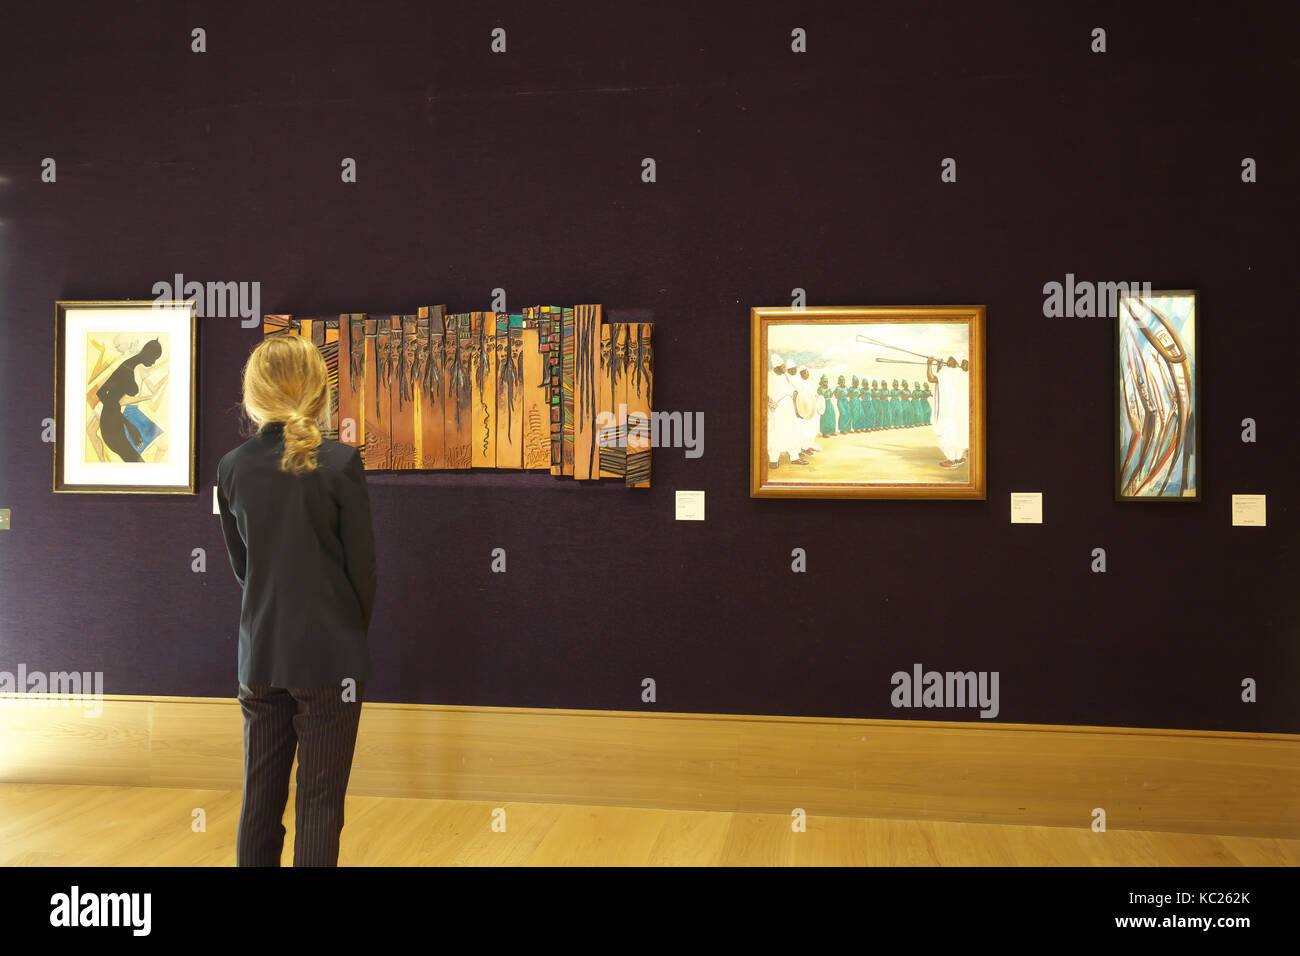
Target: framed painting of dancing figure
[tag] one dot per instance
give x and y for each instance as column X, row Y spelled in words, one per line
column 1157, row 397
column 867, row 402
column 125, row 396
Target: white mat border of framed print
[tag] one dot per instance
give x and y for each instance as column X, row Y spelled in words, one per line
column 73, row 321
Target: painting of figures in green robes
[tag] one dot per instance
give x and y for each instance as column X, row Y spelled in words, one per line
column 867, row 402
column 1157, row 398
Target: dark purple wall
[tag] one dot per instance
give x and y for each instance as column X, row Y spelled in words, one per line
column 775, row 171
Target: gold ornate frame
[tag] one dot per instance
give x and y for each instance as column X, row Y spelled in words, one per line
column 760, row 486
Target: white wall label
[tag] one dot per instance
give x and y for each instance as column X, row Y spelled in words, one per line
column 690, row 506
column 1026, row 507
column 1248, row 510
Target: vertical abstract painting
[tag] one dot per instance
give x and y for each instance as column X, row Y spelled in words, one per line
column 867, row 402
column 125, row 396
column 1157, row 397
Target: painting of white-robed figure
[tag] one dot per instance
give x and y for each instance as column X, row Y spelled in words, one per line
column 868, row 402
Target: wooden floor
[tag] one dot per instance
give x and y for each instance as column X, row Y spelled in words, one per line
column 55, row 825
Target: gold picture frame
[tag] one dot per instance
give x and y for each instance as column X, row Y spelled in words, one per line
column 142, row 355
column 888, row 449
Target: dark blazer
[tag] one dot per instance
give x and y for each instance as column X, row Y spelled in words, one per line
column 304, row 553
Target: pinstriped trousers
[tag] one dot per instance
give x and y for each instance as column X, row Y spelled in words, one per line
column 323, row 729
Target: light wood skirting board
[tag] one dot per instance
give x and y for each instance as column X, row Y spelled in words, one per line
column 1188, row 781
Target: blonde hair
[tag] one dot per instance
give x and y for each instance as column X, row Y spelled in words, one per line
column 285, row 380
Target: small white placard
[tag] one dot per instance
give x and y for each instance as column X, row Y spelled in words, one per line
column 1026, row 507
column 216, row 509
column 1248, row 510
column 690, row 506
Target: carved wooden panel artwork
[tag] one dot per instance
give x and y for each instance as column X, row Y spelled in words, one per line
column 315, row 329
column 567, row 347
column 387, row 352
column 640, row 379
column 536, row 391
column 352, row 379
column 510, row 398
column 324, row 334
column 548, row 318
column 457, row 390
column 344, row 401
column 277, row 324
column 610, row 434
column 376, row 447
column 328, row 343
column 403, row 345
column 586, row 361
column 550, row 388
column 483, row 403
column 551, row 314
column 428, row 378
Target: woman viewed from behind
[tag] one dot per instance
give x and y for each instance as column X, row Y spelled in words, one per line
column 295, row 512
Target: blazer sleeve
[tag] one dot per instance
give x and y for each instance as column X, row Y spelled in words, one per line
column 358, row 535
column 235, row 546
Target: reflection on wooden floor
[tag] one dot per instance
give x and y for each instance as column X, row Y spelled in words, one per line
column 56, row 825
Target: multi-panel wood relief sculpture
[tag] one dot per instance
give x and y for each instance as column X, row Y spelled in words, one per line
column 552, row 388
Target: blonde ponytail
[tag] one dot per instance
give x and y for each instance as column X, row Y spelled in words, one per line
column 301, row 439
column 285, row 380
